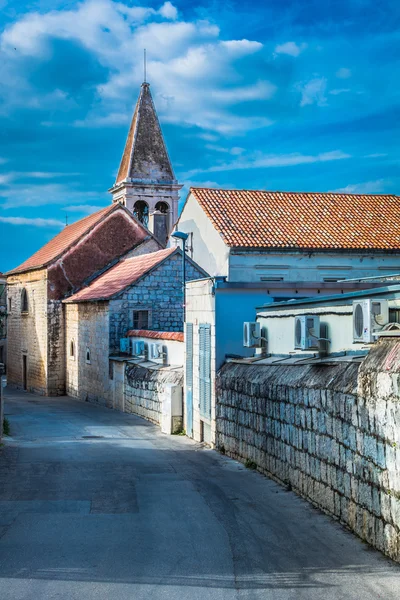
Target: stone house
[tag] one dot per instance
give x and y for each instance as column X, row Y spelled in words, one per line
column 35, row 324
column 3, row 322
column 138, row 293
column 253, row 236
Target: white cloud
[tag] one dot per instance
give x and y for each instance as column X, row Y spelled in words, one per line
column 337, row 92
column 367, row 187
column 261, row 161
column 32, row 222
column 258, row 91
column 168, row 11
column 41, row 194
column 290, row 48
column 313, row 92
column 343, row 73
column 196, row 75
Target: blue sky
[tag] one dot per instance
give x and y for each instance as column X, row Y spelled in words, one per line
column 282, row 95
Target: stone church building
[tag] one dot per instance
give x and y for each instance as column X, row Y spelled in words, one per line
column 143, row 210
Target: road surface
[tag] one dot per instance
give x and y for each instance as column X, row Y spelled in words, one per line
column 96, row 504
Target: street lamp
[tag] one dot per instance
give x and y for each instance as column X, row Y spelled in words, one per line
column 180, row 235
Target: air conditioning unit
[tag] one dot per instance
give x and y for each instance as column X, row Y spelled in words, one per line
column 137, row 348
column 251, row 334
column 369, row 316
column 307, row 332
column 156, row 351
column 124, row 344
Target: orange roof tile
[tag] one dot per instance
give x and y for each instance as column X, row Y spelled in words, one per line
column 176, row 336
column 62, row 241
column 308, row 221
column 120, row 276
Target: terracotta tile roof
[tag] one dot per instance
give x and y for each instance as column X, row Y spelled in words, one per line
column 262, row 219
column 61, row 242
column 176, row 336
column 120, row 276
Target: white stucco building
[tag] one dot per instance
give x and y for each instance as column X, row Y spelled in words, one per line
column 261, row 236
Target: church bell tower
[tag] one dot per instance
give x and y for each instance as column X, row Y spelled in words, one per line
column 146, row 183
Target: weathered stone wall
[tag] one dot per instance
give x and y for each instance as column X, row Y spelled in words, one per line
column 331, row 432
column 143, row 388
column 160, row 292
column 87, row 327
column 27, row 332
column 55, row 349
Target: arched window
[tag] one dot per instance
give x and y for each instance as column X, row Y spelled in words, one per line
column 72, row 349
column 141, row 212
column 88, row 356
column 24, row 301
column 163, row 207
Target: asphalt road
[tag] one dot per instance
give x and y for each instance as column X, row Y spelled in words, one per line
column 95, row 504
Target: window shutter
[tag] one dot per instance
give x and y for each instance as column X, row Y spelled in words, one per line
column 205, row 369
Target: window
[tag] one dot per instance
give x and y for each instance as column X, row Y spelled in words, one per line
column 110, row 369
column 141, row 319
column 332, row 279
column 9, row 305
column 72, row 350
column 162, row 207
column 271, row 279
column 88, row 356
column 141, row 212
column 24, row 301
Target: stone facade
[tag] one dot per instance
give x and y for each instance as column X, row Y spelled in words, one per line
column 28, row 332
column 331, row 432
column 36, row 338
column 87, row 364
column 99, row 326
column 3, row 319
column 160, row 292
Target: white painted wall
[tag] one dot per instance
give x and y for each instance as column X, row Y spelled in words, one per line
column 173, row 349
column 200, row 308
column 278, row 327
column 254, row 266
column 209, row 250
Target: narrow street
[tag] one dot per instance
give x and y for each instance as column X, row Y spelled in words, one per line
column 96, row 504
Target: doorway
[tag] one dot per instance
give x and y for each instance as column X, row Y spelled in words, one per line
column 24, row 371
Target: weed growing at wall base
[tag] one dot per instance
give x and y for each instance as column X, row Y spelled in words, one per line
column 6, row 426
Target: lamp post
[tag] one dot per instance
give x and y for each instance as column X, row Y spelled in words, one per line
column 180, row 235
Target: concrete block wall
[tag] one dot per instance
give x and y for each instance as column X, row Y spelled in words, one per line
column 143, row 390
column 27, row 333
column 160, row 292
column 332, row 433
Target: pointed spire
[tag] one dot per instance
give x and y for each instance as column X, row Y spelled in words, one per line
column 145, row 157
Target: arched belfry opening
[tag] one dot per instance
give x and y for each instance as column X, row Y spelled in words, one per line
column 162, row 207
column 146, row 182
column 141, row 212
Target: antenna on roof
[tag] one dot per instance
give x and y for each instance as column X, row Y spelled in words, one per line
column 66, row 219
column 144, row 65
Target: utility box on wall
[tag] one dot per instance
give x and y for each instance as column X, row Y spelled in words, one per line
column 172, row 409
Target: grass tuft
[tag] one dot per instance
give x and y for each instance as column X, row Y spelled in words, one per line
column 6, row 426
